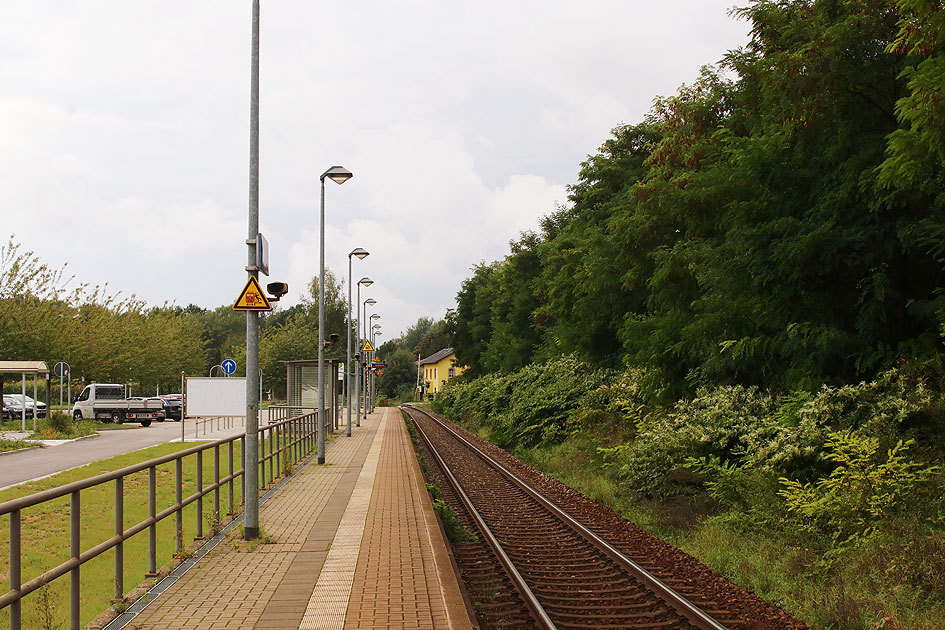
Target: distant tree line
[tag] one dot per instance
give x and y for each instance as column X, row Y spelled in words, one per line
column 399, row 379
column 780, row 222
column 110, row 338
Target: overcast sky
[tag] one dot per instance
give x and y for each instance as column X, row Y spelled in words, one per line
column 124, row 132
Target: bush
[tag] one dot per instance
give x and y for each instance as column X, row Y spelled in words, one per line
column 863, row 490
column 723, row 423
column 61, row 423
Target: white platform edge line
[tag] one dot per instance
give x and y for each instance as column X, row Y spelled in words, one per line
column 328, row 605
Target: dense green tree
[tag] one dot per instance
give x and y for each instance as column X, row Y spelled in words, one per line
column 434, row 340
column 399, row 378
column 470, row 324
column 778, row 222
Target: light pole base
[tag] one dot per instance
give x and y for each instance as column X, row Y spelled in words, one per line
column 321, row 459
column 250, row 533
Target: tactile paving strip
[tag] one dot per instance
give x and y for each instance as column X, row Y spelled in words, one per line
column 329, row 601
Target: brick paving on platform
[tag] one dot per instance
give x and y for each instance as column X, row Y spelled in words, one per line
column 391, row 568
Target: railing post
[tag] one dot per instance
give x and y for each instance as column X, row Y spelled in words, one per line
column 199, row 496
column 152, row 530
column 243, row 480
column 216, row 484
column 271, row 452
column 15, row 571
column 119, row 530
column 179, row 499
column 230, row 445
column 75, row 518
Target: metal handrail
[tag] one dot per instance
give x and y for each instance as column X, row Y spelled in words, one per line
column 295, row 435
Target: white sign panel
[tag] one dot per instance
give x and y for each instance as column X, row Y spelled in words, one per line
column 216, row 396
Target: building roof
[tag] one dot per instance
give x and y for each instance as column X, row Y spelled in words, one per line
column 436, row 357
column 23, row 367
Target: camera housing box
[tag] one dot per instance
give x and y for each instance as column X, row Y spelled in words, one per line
column 277, row 289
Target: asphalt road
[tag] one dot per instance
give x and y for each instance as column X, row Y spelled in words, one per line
column 32, row 464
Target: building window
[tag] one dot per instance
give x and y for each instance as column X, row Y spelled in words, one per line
column 452, row 372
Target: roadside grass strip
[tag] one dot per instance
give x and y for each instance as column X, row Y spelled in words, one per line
column 45, row 529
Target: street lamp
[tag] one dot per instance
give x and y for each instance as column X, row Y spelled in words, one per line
column 361, row 254
column 370, row 389
column 357, row 364
column 377, row 333
column 339, row 175
column 364, row 359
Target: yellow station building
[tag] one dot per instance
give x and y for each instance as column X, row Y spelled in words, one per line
column 437, row 369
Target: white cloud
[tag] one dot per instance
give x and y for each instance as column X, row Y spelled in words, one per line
column 124, row 132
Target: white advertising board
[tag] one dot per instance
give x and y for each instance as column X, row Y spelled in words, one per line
column 216, row 396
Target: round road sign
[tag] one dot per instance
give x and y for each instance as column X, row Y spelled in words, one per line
column 61, row 369
column 229, row 366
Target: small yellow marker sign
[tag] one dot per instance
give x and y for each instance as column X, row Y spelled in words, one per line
column 367, row 347
column 252, row 298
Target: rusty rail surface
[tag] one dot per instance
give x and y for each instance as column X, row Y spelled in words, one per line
column 690, row 614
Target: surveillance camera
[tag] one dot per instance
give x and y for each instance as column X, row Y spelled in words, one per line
column 277, row 289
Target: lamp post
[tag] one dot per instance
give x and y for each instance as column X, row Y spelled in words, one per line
column 339, row 175
column 349, row 373
column 364, row 359
column 376, row 329
column 357, row 364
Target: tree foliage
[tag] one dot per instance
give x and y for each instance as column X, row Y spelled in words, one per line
column 45, row 315
column 777, row 223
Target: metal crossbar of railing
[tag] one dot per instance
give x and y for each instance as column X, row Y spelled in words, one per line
column 288, row 441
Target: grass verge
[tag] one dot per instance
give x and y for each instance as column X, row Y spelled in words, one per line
column 45, row 530
column 895, row 582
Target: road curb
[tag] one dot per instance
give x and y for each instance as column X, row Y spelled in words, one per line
column 21, row 450
column 44, row 443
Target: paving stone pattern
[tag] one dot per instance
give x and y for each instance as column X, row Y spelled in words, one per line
column 403, row 577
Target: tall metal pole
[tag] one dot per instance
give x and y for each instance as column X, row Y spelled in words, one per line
column 321, row 328
column 349, row 378
column 364, row 358
column 251, row 456
column 357, row 364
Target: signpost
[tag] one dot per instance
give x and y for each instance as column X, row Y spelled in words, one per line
column 61, row 370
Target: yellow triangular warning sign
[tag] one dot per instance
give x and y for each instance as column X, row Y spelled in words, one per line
column 367, row 347
column 252, row 298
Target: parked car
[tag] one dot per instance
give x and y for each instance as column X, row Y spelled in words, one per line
column 9, row 411
column 15, row 402
column 172, row 406
column 107, row 401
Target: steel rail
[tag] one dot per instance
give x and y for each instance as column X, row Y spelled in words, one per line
column 537, row 610
column 683, row 606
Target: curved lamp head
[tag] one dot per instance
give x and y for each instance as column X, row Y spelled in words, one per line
column 360, row 253
column 366, row 281
column 370, row 301
column 375, row 316
column 337, row 174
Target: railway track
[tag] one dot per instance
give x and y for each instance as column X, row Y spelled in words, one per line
column 536, row 566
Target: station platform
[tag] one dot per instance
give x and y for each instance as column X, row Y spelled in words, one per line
column 351, row 544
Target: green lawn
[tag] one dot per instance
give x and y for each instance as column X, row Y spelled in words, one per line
column 45, row 530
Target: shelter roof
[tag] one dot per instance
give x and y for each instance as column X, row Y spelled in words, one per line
column 23, row 367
